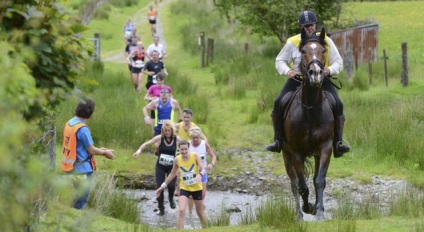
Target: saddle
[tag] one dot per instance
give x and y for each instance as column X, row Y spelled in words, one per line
column 288, row 99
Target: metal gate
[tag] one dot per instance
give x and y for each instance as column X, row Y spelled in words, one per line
column 359, row 41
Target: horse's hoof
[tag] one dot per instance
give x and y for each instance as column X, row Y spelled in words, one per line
column 319, row 217
column 310, row 208
column 299, row 217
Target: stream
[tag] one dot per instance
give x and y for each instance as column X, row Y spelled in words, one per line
column 238, row 205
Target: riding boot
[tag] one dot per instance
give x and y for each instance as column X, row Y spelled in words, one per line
column 160, row 205
column 338, row 147
column 278, row 138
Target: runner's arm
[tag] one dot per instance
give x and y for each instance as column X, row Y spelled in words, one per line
column 212, row 155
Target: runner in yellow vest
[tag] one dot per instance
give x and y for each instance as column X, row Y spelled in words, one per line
column 189, row 165
column 184, row 127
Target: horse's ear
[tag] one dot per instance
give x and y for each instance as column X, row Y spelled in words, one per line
column 322, row 34
column 303, row 36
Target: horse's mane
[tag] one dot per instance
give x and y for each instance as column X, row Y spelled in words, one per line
column 313, row 37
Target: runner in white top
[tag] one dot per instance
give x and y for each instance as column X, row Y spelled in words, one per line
column 202, row 148
column 158, row 47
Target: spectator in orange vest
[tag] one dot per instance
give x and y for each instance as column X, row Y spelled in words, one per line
column 79, row 150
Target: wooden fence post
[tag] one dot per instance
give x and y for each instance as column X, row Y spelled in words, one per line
column 202, row 48
column 97, row 46
column 209, row 52
column 385, row 67
column 348, row 62
column 356, row 59
column 404, row 79
column 370, row 65
column 212, row 42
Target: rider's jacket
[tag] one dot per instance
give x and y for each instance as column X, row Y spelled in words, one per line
column 296, row 41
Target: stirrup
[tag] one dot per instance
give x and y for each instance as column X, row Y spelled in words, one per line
column 275, row 147
column 339, row 152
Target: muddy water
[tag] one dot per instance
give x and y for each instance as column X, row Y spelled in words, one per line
column 238, row 204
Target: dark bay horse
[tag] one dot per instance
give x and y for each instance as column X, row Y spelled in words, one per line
column 309, row 127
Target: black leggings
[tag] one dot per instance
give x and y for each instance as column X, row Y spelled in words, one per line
column 161, row 174
column 292, row 85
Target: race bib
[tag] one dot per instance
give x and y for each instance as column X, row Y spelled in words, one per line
column 166, row 160
column 154, row 79
column 139, row 64
column 202, row 157
column 152, row 17
column 189, row 178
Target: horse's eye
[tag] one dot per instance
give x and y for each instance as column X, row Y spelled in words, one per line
column 303, row 52
column 324, row 50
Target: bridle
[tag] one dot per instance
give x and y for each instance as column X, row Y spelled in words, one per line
column 307, row 66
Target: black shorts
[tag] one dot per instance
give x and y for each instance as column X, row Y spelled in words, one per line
column 130, row 68
column 149, row 83
column 196, row 195
column 136, row 70
column 152, row 21
column 152, row 114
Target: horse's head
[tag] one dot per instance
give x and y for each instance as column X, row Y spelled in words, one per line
column 313, row 52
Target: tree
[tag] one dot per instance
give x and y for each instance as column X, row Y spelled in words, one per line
column 41, row 55
column 273, row 17
column 47, row 41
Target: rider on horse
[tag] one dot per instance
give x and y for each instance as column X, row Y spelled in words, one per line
column 290, row 54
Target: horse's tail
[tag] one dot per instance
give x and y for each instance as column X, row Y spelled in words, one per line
column 308, row 168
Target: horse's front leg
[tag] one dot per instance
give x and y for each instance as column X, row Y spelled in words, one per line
column 321, row 167
column 303, row 187
column 294, row 186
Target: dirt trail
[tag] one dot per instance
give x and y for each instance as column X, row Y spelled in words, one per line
column 140, row 21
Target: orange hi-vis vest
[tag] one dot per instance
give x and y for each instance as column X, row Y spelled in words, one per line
column 69, row 152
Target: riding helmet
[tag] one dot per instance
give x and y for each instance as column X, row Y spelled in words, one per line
column 307, row 17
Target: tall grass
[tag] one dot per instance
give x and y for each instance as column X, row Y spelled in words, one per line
column 221, row 219
column 187, row 94
column 106, row 198
column 367, row 209
column 118, row 118
column 248, row 215
column 277, row 211
column 410, row 203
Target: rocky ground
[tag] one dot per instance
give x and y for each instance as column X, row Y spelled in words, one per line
column 380, row 190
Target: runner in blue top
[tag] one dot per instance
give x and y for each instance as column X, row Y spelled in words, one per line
column 127, row 28
column 165, row 108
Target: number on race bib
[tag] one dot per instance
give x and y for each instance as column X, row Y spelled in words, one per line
column 166, row 160
column 189, row 178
